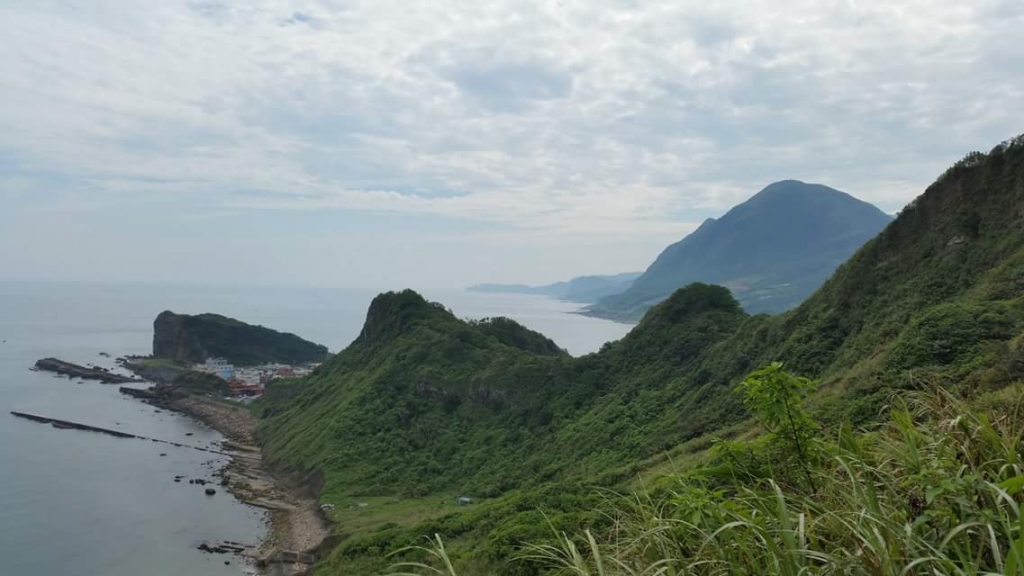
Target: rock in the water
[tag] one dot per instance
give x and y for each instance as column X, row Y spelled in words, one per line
column 210, row 491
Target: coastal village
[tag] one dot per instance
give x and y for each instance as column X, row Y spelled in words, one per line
column 250, row 381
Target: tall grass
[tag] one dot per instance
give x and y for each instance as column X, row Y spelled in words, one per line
column 935, row 490
column 434, row 554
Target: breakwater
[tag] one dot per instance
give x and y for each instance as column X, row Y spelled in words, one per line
column 69, row 425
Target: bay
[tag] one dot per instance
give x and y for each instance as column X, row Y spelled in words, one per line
column 89, row 504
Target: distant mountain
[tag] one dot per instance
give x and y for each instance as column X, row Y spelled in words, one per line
column 585, row 289
column 771, row 251
column 190, row 339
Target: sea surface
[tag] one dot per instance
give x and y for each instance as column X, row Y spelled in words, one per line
column 74, row 502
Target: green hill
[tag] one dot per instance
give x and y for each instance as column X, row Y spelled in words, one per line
column 423, row 407
column 190, row 339
column 772, row 251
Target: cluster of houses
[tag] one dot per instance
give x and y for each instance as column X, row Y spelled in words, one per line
column 250, row 381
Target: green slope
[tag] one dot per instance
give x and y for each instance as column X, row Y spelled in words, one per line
column 423, row 406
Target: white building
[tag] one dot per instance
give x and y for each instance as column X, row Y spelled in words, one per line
column 219, row 367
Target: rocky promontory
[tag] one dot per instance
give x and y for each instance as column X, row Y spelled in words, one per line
column 187, row 339
column 186, row 383
column 85, row 372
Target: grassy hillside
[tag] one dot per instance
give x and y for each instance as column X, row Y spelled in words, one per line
column 935, row 489
column 424, row 407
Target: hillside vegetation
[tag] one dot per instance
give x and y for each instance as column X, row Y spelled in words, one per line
column 772, row 251
column 936, row 489
column 189, row 339
column 423, row 407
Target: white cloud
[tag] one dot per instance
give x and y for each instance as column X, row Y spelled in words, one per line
column 565, row 116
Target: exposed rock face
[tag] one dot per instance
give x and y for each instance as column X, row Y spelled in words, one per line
column 172, row 340
column 190, row 339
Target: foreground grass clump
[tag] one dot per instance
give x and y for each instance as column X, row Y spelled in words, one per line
column 936, row 489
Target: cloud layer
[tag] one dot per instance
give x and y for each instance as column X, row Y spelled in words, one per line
column 555, row 117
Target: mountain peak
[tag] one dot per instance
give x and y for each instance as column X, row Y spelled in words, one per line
column 693, row 299
column 772, row 251
column 789, row 183
column 798, row 190
column 392, row 312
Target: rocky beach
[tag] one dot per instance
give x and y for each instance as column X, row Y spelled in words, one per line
column 296, row 527
column 296, row 523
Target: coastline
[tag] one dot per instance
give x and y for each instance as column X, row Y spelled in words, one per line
column 296, row 525
column 617, row 319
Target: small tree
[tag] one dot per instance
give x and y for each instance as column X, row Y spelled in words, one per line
column 775, row 397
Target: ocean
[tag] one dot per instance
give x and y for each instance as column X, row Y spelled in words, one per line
column 74, row 502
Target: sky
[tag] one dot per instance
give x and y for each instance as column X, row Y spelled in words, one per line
column 385, row 144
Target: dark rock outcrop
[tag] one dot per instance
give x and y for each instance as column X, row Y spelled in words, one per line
column 85, row 372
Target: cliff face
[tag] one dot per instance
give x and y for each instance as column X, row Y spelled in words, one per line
column 171, row 340
column 190, row 339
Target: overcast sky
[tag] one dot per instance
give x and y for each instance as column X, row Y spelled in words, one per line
column 383, row 144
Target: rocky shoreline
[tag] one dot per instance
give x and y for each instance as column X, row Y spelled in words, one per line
column 297, row 527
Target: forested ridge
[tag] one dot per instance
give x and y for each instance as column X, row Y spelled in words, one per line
column 424, row 407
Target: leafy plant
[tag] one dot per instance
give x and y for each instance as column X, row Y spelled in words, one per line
column 775, row 397
column 936, row 490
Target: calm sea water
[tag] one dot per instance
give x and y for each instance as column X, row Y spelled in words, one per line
column 74, row 502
